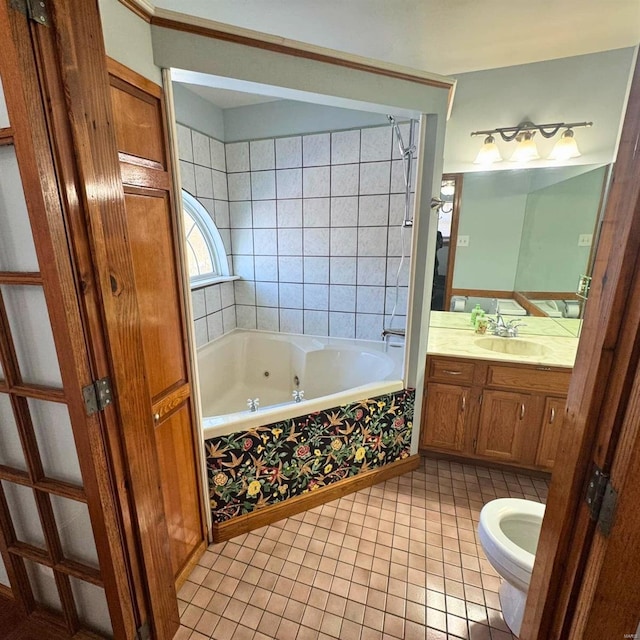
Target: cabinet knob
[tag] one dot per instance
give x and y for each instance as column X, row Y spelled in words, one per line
column 156, row 417
column 552, row 417
column 522, row 411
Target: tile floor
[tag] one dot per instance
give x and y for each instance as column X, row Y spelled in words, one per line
column 398, row 560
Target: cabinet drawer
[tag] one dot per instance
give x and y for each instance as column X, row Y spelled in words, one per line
column 532, row 379
column 450, row 370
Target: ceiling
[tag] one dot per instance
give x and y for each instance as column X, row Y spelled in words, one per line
column 225, row 98
column 439, row 36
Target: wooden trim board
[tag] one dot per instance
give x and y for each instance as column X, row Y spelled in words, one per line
column 242, row 524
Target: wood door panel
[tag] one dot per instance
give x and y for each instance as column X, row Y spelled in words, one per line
column 500, row 433
column 150, row 233
column 138, row 122
column 551, row 430
column 178, row 463
column 446, row 407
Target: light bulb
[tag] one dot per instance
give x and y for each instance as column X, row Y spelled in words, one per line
column 566, row 148
column 489, row 152
column 526, row 149
column 448, row 188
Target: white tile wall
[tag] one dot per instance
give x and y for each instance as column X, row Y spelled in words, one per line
column 313, row 224
column 203, row 171
column 288, row 152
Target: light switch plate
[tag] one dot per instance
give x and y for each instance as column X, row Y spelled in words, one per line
column 463, row 241
column 585, row 239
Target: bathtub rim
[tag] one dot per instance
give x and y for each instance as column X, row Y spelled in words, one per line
column 216, row 426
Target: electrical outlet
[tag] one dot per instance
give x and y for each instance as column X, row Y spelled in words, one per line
column 463, row 241
column 585, row 239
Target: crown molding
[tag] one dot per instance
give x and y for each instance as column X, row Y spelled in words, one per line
column 142, row 8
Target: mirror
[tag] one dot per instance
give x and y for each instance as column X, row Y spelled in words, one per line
column 557, row 242
column 528, row 235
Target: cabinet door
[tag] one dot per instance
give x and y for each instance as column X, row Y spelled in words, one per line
column 551, row 429
column 446, row 409
column 503, row 425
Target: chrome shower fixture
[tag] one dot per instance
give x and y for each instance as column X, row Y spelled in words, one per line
column 404, row 150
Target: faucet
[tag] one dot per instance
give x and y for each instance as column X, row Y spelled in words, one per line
column 297, row 395
column 253, row 403
column 392, row 332
column 509, row 329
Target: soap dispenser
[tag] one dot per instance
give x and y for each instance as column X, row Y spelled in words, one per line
column 475, row 313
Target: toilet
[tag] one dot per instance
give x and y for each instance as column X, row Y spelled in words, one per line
column 509, row 530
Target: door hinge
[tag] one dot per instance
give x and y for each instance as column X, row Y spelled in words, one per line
column 35, row 10
column 601, row 499
column 97, row 395
column 143, row 632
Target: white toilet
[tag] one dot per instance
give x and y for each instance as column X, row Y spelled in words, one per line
column 509, row 530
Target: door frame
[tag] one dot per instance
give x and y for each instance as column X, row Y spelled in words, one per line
column 458, row 180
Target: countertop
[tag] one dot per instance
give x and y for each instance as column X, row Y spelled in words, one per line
column 451, row 334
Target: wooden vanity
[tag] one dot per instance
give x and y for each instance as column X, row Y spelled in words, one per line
column 497, row 411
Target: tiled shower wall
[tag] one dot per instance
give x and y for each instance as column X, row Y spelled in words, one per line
column 316, row 232
column 203, row 174
column 312, row 225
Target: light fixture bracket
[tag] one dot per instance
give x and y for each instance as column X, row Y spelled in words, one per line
column 508, row 134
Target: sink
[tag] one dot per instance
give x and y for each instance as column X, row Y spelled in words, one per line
column 513, row 346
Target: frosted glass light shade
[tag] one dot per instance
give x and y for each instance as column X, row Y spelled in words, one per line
column 489, row 152
column 448, row 188
column 566, row 148
column 526, row 149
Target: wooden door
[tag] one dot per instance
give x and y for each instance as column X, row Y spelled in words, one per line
column 62, row 558
column 583, row 585
column 153, row 233
column 445, row 416
column 502, row 426
column 550, row 434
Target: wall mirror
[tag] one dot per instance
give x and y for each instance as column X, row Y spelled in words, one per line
column 525, row 235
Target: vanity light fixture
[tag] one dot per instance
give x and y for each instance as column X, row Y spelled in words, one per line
column 527, row 150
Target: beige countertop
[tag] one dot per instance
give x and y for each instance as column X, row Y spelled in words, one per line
column 548, row 342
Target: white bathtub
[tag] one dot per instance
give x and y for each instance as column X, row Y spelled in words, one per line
column 270, row 366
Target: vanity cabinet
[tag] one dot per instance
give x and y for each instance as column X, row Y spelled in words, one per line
column 505, row 425
column 501, row 411
column 446, row 416
column 551, row 429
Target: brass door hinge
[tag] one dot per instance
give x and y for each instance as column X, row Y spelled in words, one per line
column 36, row 10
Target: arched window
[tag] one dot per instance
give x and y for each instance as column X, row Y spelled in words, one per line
column 206, row 257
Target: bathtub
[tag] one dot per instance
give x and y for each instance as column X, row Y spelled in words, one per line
column 270, row 366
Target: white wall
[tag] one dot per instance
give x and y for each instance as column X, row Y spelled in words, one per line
column 127, row 39
column 583, row 88
column 287, row 118
column 197, row 113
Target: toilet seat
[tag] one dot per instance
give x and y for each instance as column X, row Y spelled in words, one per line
column 512, row 554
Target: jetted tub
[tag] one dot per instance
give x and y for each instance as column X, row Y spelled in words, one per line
column 271, row 366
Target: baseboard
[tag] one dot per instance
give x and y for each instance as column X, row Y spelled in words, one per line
column 222, row 531
column 483, row 462
column 190, row 564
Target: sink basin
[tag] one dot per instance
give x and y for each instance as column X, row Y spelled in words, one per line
column 513, row 346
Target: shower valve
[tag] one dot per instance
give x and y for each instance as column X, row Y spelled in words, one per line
column 253, row 403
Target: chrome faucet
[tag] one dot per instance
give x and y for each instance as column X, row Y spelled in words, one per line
column 253, row 403
column 509, row 329
column 297, row 395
